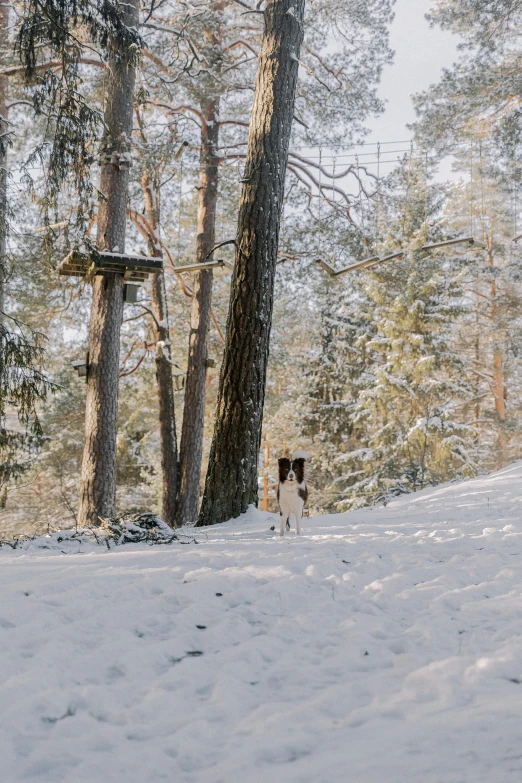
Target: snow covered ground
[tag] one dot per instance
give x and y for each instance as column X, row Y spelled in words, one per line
column 382, row 646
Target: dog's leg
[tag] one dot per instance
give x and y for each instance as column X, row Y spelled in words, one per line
column 282, row 527
column 298, row 521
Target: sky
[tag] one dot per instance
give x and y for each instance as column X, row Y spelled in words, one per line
column 421, row 53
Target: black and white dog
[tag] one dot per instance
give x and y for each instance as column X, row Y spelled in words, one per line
column 292, row 493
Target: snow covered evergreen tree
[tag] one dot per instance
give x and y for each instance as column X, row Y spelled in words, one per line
column 481, row 91
column 406, row 392
column 489, row 335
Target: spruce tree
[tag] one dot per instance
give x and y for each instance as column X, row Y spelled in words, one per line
column 52, row 29
column 488, row 336
column 4, row 142
column 23, row 385
column 410, row 433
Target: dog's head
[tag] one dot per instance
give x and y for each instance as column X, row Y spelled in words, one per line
column 291, row 470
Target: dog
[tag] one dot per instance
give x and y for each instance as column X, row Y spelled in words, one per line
column 292, row 493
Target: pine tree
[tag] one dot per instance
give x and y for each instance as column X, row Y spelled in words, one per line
column 164, row 378
column 98, row 482
column 231, row 483
column 331, row 105
column 481, row 92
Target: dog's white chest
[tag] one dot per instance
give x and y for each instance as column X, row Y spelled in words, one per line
column 290, row 501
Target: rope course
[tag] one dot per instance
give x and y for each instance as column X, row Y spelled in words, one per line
column 327, row 178
column 326, row 174
column 364, row 194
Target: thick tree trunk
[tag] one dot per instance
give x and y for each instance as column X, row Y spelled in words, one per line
column 195, row 384
column 98, row 478
column 4, row 129
column 167, row 419
column 231, row 483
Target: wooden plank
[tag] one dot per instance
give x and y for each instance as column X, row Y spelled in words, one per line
column 120, row 260
column 134, row 268
column 364, row 264
column 393, row 256
column 204, row 265
column 324, row 265
column 134, row 276
column 450, row 242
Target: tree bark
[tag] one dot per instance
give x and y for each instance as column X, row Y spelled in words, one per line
column 500, row 408
column 195, row 383
column 167, row 418
column 98, row 476
column 498, row 368
column 4, row 129
column 231, row 482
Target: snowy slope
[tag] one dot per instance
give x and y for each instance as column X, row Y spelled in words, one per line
column 382, row 646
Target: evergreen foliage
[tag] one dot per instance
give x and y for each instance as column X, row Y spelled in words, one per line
column 389, row 378
column 481, row 92
column 59, row 33
column 22, row 387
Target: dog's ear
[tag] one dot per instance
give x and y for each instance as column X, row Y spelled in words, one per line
column 300, row 461
column 283, row 460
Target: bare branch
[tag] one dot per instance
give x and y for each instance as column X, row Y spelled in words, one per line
column 221, row 244
column 145, row 353
column 150, row 312
column 240, row 42
column 218, row 328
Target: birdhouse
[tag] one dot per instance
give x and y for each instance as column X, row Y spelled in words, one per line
column 80, row 365
column 130, row 293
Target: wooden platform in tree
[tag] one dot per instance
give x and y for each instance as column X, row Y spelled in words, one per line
column 134, row 268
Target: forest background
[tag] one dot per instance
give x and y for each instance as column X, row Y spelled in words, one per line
column 393, row 377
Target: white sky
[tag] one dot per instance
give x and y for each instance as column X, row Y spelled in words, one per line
column 420, row 54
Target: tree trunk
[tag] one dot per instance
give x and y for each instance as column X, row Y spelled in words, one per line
column 500, row 407
column 231, row 482
column 167, row 419
column 476, row 438
column 98, row 477
column 4, row 129
column 195, row 383
column 498, row 384
column 498, row 368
